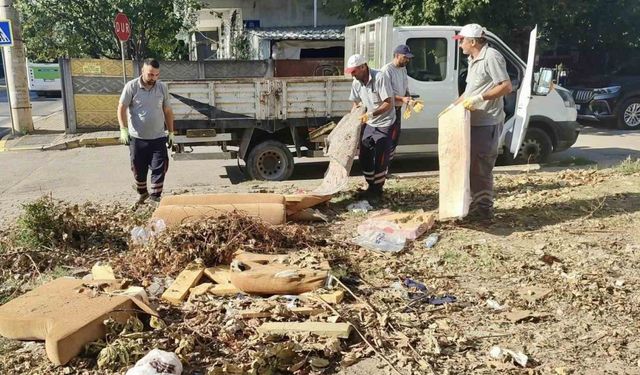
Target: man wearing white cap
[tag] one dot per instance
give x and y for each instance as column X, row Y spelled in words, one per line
column 373, row 89
column 487, row 83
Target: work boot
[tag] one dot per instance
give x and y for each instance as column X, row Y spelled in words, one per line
column 142, row 197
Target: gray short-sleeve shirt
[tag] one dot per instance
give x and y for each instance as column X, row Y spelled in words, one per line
column 485, row 72
column 373, row 94
column 145, row 108
column 399, row 80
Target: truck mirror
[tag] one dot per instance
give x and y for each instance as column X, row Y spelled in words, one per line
column 543, row 81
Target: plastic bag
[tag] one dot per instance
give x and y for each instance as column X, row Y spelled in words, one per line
column 383, row 236
column 157, row 362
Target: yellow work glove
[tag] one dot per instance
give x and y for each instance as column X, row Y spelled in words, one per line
column 407, row 113
column 417, row 105
column 171, row 139
column 124, row 136
column 473, row 102
column 366, row 117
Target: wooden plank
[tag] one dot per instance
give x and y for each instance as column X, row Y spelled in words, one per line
column 340, row 330
column 454, row 143
column 224, row 290
column 306, row 311
column 219, row 274
column 178, row 291
column 332, row 298
column 102, row 272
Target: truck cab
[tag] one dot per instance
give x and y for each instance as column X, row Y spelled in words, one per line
column 437, row 73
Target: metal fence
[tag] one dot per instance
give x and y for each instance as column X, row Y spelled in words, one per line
column 91, row 87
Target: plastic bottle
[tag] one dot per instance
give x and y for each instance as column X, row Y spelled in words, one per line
column 431, row 241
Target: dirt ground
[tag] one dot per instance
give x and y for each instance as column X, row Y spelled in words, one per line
column 553, row 278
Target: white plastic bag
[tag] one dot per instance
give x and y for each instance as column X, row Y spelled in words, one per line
column 382, row 236
column 157, row 362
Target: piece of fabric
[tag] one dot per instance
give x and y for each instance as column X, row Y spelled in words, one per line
column 399, row 80
column 484, row 152
column 486, row 71
column 372, row 95
column 145, row 108
column 375, row 146
column 149, row 155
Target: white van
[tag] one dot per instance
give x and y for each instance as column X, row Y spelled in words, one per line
column 545, row 121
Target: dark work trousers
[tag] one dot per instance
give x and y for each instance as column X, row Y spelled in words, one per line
column 484, row 152
column 395, row 133
column 375, row 146
column 149, row 154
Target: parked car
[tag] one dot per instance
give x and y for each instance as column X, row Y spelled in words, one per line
column 611, row 97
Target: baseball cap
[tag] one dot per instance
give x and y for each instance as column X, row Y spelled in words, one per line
column 403, row 49
column 472, row 30
column 354, row 62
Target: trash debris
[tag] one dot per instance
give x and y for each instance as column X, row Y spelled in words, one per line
column 493, row 304
column 340, row 330
column 533, row 294
column 517, row 316
column 360, row 207
column 102, row 272
column 499, row 353
column 410, row 225
column 157, row 362
column 386, row 240
column 141, row 235
column 431, row 241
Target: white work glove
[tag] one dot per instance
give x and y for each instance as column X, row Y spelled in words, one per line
column 473, row 102
column 124, row 136
column 366, row 117
column 171, row 139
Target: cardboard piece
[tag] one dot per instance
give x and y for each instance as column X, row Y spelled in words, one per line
column 340, row 330
column 411, row 225
column 66, row 313
column 454, row 158
column 179, row 290
column 213, row 199
column 272, row 213
column 101, row 271
column 267, row 275
column 332, row 298
column 219, row 274
column 298, row 202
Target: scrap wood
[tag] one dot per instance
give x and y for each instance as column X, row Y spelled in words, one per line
column 333, row 298
column 324, row 129
column 219, row 274
column 306, row 311
column 225, row 290
column 189, row 277
column 340, row 330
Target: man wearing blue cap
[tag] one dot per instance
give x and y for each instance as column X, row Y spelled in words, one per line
column 396, row 71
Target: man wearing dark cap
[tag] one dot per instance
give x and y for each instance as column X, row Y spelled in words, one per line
column 396, row 71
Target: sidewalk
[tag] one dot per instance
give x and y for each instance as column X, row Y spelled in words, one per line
column 49, row 135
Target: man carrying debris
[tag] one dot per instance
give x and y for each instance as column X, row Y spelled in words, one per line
column 396, row 72
column 372, row 88
column 143, row 129
column 487, row 83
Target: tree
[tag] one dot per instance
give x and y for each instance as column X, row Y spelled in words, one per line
column 592, row 27
column 84, row 28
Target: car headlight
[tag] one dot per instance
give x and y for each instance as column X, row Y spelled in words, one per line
column 566, row 97
column 607, row 90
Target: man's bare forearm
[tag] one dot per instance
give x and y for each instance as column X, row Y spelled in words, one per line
column 168, row 118
column 122, row 116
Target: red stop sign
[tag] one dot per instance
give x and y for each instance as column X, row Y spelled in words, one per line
column 122, row 27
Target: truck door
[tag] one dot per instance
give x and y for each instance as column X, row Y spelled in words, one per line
column 432, row 76
column 521, row 120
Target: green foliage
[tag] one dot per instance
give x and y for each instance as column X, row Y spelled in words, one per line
column 596, row 26
column 628, row 166
column 39, row 225
column 84, row 28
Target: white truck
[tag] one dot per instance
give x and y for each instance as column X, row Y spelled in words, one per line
column 263, row 120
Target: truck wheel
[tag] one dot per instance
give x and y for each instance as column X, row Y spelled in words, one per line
column 271, row 161
column 536, row 147
column 629, row 114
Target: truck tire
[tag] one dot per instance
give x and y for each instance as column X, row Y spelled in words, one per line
column 536, row 147
column 629, row 114
column 270, row 161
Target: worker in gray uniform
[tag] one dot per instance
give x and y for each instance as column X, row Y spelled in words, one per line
column 396, row 71
column 487, row 83
column 373, row 89
column 143, row 112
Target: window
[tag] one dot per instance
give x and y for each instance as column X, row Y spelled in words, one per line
column 430, row 59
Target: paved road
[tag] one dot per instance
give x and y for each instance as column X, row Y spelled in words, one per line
column 40, row 109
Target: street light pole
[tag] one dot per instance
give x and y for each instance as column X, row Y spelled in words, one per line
column 16, row 72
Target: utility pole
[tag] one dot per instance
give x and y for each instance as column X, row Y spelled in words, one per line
column 16, row 72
